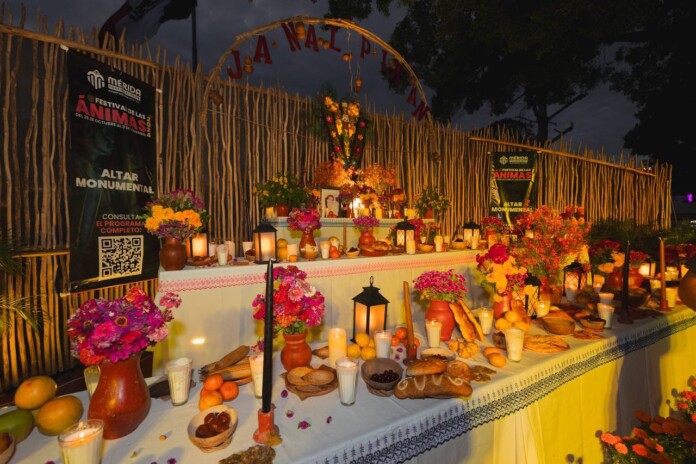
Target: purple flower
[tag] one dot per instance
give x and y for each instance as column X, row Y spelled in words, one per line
column 284, row 394
column 289, row 413
column 329, row 419
column 304, row 425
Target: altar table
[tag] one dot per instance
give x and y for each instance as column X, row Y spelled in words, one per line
column 548, row 408
column 215, row 316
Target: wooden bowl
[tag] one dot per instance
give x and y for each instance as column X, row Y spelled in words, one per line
column 216, row 442
column 593, row 323
column 353, row 253
column 458, row 245
column 425, row 247
column 558, row 326
column 378, row 366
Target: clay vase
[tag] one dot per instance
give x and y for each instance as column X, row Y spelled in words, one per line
column 366, row 239
column 282, row 210
column 296, row 352
column 308, row 239
column 121, row 399
column 172, row 255
column 502, row 306
column 440, row 310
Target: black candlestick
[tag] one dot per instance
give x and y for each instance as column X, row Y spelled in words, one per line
column 624, row 287
column 268, row 343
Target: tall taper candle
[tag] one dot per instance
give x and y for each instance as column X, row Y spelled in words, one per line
column 268, row 343
column 663, row 279
column 624, row 287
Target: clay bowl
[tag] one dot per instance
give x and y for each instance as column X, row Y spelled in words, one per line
column 216, row 442
column 379, row 366
column 353, row 253
column 425, row 247
column 458, row 245
column 592, row 323
column 558, row 326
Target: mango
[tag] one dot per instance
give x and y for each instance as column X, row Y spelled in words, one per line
column 19, row 423
column 58, row 414
column 33, row 392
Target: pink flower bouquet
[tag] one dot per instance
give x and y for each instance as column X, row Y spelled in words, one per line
column 441, row 285
column 304, row 219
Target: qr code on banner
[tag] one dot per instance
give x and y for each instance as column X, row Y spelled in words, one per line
column 120, row 256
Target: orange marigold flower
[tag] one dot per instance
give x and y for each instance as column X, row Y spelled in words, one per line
column 655, row 427
column 621, row 448
column 640, row 433
column 671, row 427
column 642, row 416
column 610, row 439
column 640, row 450
column 652, row 444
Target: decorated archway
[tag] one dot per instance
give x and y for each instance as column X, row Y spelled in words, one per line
column 300, row 33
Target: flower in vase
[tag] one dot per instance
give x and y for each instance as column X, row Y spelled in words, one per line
column 603, row 256
column 179, row 214
column 117, row 329
column 499, row 271
column 304, row 219
column 365, row 222
column 296, row 304
column 441, row 285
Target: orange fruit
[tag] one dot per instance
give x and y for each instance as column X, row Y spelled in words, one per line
column 213, row 382
column 292, row 258
column 416, row 341
column 401, row 332
column 396, row 341
column 334, row 254
column 229, row 390
column 204, row 391
column 332, row 248
column 209, row 400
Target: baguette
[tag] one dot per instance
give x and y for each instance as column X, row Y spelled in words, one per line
column 231, row 358
column 432, row 386
column 465, row 326
column 426, row 366
column 237, row 371
column 472, row 319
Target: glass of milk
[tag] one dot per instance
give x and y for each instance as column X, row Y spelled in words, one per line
column 347, row 371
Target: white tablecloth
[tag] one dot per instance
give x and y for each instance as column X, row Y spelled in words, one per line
column 548, row 408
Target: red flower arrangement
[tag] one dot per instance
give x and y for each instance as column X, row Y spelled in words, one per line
column 296, row 304
column 365, row 222
column 304, row 219
column 499, row 271
column 558, row 241
column 603, row 256
column 677, row 255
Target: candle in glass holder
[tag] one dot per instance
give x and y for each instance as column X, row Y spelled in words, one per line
column 337, row 345
column 221, row 251
column 293, row 250
column 383, row 340
column 439, row 241
column 485, row 317
column 410, row 247
column 571, row 292
column 433, row 327
column 81, row 443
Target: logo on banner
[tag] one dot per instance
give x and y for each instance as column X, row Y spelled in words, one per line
column 96, row 79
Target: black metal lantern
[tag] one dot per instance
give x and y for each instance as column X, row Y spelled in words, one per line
column 369, row 311
column 264, row 243
column 574, row 276
column 531, row 296
column 471, row 229
column 405, row 231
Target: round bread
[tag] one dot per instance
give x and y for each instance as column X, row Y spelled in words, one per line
column 497, row 360
column 490, row 350
column 381, row 246
column 458, row 369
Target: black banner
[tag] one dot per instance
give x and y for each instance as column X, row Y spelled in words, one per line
column 112, row 174
column 513, row 183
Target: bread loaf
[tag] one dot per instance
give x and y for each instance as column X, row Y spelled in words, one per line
column 426, row 366
column 432, row 386
column 466, row 321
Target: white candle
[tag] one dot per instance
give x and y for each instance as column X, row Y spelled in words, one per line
column 644, row 270
column 485, row 316
column 325, row 247
column 433, row 328
column 337, row 345
column 179, row 378
column 474, row 243
column 199, row 243
column 293, row 250
column 606, row 297
column 266, row 247
column 597, row 286
column 439, row 241
column 514, row 342
column 211, row 249
column 571, row 292
column 256, row 365
column 606, row 312
column 383, row 340
column 671, row 296
column 411, row 247
column 82, row 442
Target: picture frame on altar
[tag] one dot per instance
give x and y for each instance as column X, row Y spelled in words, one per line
column 329, row 202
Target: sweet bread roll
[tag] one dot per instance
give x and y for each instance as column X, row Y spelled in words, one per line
column 381, row 246
column 458, row 369
column 432, row 386
column 426, row 366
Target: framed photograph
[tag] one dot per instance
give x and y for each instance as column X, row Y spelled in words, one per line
column 329, row 202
